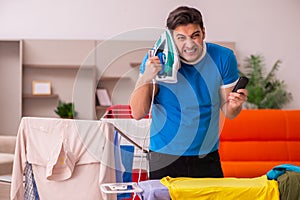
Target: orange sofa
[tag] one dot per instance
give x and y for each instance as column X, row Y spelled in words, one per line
column 257, row 140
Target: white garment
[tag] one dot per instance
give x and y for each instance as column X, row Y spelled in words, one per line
column 137, row 130
column 70, row 158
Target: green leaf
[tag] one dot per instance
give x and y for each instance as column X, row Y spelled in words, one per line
column 65, row 110
column 265, row 90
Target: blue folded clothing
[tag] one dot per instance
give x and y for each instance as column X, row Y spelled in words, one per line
column 279, row 170
column 153, row 189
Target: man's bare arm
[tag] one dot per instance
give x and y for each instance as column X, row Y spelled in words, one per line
column 141, row 98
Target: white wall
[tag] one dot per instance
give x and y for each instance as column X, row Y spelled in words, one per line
column 268, row 27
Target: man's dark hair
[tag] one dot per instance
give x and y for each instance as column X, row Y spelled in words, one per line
column 184, row 15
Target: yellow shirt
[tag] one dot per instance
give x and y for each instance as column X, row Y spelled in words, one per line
column 259, row 188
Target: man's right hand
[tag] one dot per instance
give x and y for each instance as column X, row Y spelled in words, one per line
column 142, row 95
column 153, row 66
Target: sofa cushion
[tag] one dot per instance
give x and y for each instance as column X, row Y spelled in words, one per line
column 6, row 157
column 6, row 163
column 293, row 125
column 250, row 168
column 260, row 151
column 255, row 125
column 258, row 140
column 7, row 144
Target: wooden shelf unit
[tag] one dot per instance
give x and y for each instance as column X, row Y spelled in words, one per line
column 39, row 66
column 70, row 67
column 59, row 62
column 30, row 96
column 135, row 64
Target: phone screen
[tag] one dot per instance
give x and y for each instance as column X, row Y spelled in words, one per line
column 241, row 84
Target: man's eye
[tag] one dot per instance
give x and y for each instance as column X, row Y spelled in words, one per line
column 197, row 35
column 181, row 38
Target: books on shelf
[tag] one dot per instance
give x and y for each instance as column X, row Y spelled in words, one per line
column 103, row 97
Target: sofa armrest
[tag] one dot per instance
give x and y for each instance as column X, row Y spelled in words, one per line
column 7, row 144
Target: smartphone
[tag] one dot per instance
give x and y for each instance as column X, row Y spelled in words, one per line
column 241, row 84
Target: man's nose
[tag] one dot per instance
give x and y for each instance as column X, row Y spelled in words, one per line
column 189, row 43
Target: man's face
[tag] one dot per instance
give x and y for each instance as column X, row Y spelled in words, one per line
column 189, row 40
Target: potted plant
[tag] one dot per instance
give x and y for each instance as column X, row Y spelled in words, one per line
column 65, row 110
column 264, row 91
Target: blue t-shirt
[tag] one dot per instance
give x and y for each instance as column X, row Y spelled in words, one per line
column 185, row 115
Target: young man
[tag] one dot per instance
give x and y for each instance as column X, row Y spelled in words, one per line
column 184, row 134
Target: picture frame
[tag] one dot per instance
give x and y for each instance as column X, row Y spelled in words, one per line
column 103, row 97
column 41, row 88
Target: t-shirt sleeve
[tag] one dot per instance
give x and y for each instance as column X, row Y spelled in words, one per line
column 230, row 73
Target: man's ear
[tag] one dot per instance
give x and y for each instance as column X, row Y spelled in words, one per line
column 203, row 33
